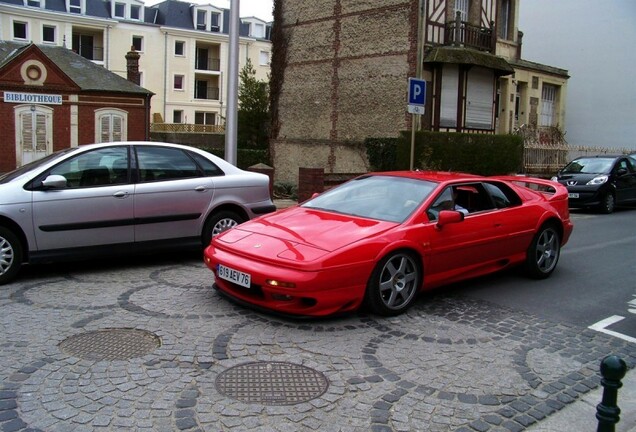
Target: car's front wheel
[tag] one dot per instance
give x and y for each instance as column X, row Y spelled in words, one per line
column 219, row 222
column 393, row 284
column 10, row 255
column 543, row 253
column 608, row 203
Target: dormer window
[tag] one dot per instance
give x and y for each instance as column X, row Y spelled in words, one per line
column 34, row 3
column 127, row 9
column 75, row 6
column 201, row 19
column 207, row 18
column 120, row 10
column 257, row 27
column 258, row 30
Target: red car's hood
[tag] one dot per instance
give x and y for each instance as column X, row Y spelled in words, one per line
column 300, row 234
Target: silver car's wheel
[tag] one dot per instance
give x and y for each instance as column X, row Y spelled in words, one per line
column 543, row 253
column 394, row 284
column 10, row 255
column 218, row 223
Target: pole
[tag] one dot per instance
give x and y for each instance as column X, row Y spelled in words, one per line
column 231, row 124
column 418, row 73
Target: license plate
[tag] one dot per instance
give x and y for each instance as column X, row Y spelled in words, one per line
column 573, row 195
column 238, row 277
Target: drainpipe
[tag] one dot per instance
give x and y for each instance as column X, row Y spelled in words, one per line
column 165, row 74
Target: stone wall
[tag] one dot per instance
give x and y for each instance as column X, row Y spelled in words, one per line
column 345, row 79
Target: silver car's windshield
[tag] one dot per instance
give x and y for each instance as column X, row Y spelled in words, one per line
column 381, row 197
column 589, row 166
column 7, row 177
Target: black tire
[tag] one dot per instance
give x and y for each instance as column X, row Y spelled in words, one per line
column 10, row 255
column 543, row 253
column 608, row 203
column 219, row 222
column 394, row 284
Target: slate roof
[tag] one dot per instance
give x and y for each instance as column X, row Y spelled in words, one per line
column 86, row 74
column 171, row 13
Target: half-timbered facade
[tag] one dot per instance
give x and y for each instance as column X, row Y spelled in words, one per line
column 344, row 68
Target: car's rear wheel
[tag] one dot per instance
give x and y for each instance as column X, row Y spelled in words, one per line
column 608, row 203
column 393, row 284
column 543, row 253
column 10, row 255
column 219, row 222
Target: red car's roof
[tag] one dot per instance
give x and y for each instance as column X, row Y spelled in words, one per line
column 434, row 176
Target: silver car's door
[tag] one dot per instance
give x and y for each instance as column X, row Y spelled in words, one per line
column 94, row 208
column 172, row 195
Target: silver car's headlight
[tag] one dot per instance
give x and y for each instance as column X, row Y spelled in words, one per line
column 597, row 180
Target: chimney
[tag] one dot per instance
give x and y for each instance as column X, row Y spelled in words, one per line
column 519, row 44
column 132, row 66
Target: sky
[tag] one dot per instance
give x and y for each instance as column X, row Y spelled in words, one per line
column 593, row 40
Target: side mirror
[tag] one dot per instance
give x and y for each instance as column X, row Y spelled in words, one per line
column 621, row 172
column 54, row 182
column 446, row 217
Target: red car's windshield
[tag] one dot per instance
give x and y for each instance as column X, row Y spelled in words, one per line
column 383, row 197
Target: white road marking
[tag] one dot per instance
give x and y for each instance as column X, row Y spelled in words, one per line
column 601, row 327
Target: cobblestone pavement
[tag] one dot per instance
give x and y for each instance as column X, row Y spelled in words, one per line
column 152, row 347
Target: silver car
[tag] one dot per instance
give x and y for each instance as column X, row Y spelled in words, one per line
column 121, row 197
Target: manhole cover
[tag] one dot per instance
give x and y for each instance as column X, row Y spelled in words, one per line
column 272, row 383
column 111, row 344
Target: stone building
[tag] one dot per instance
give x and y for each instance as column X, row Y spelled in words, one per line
column 340, row 72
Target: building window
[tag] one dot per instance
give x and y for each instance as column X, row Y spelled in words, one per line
column 201, row 19
column 110, row 125
column 504, row 25
column 461, row 6
column 34, row 3
column 535, row 82
column 120, row 10
column 204, row 118
column 20, row 30
column 135, row 12
column 179, row 48
column 448, row 100
column 264, row 58
column 258, row 30
column 178, row 82
column 74, row 6
column 215, row 22
column 138, row 43
column 548, row 105
column 177, row 116
column 33, row 132
column 48, row 33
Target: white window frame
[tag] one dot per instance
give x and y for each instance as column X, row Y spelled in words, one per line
column 141, row 42
column 183, row 48
column 139, row 12
column 463, row 7
column 54, row 27
column 549, row 94
column 181, row 115
column 263, row 58
column 34, row 3
column 27, row 29
column 112, row 116
column 74, row 8
column 119, row 3
column 38, row 110
column 183, row 84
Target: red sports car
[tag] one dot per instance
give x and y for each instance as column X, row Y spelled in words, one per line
column 381, row 238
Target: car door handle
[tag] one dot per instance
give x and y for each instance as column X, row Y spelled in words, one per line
column 200, row 188
column 120, row 194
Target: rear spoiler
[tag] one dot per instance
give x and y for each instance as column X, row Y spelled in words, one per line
column 548, row 187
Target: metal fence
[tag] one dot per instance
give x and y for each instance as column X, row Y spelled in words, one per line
column 545, row 150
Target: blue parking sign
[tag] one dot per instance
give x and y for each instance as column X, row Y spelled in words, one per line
column 417, row 92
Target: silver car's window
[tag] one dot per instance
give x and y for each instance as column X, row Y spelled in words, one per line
column 162, row 163
column 207, row 165
column 101, row 167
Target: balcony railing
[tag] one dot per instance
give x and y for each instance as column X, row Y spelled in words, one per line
column 207, row 64
column 461, row 33
column 209, row 93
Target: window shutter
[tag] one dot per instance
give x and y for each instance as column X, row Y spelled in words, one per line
column 448, row 100
column 40, row 132
column 117, row 128
column 479, row 98
column 104, row 124
column 27, row 131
